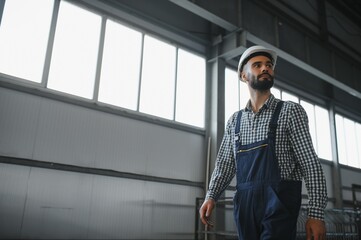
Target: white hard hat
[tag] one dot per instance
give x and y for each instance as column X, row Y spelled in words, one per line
column 256, row 51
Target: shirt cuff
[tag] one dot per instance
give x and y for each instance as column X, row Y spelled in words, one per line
column 316, row 213
column 210, row 195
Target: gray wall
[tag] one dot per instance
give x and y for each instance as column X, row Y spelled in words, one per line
column 38, row 202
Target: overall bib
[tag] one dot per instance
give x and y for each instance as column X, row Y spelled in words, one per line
column 265, row 207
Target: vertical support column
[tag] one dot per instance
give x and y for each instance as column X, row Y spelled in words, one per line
column 217, row 106
column 216, row 126
column 336, row 175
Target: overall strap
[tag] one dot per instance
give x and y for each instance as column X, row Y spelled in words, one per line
column 274, row 120
column 238, row 124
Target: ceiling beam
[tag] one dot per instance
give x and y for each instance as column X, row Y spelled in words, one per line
column 305, row 66
column 234, row 44
column 199, row 11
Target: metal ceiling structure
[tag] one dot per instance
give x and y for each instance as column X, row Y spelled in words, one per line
column 320, row 38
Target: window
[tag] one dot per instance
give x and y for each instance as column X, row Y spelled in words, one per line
column 276, row 92
column 319, row 125
column 158, row 78
column 75, row 51
column 236, row 93
column 244, row 94
column 310, row 110
column 136, row 71
column 24, row 38
column 289, row 97
column 348, row 141
column 323, row 134
column 119, row 81
column 231, row 88
column 190, row 97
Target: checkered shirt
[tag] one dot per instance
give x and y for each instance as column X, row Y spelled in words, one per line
column 297, row 159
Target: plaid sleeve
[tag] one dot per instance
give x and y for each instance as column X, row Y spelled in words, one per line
column 225, row 169
column 309, row 162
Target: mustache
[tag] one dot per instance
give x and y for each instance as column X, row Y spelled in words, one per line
column 264, row 74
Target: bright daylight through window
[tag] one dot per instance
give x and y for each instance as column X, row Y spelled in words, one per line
column 191, row 84
column 137, row 72
column 348, row 141
column 24, row 38
column 119, row 81
column 158, row 78
column 73, row 63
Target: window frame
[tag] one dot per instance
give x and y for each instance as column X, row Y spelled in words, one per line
column 120, row 16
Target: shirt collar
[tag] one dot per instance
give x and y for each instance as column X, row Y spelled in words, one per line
column 268, row 103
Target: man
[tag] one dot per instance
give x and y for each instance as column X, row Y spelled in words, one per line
column 268, row 147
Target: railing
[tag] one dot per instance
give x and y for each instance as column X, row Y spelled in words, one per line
column 340, row 223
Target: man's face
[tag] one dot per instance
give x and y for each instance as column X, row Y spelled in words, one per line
column 258, row 72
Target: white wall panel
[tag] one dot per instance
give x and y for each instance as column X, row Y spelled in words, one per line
column 19, row 115
column 327, row 169
column 139, row 147
column 348, row 195
column 67, row 134
column 57, row 205
column 116, row 209
column 175, row 154
column 13, row 191
column 170, row 210
column 38, row 203
column 119, row 146
column 132, row 209
column 48, row 130
column 349, row 177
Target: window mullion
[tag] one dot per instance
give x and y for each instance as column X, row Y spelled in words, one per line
column 175, row 85
column 345, row 137
column 239, row 93
column 140, row 71
column 316, row 135
column 49, row 50
column 100, row 59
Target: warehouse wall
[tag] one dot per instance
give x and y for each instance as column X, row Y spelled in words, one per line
column 47, row 203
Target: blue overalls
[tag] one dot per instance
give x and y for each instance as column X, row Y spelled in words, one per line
column 265, row 207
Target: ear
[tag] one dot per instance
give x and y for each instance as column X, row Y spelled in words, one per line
column 243, row 76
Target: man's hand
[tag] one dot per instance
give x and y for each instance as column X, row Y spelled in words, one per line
column 315, row 228
column 205, row 212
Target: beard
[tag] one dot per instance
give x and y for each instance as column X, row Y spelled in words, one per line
column 265, row 84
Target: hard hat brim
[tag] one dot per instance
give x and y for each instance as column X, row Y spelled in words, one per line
column 256, row 51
